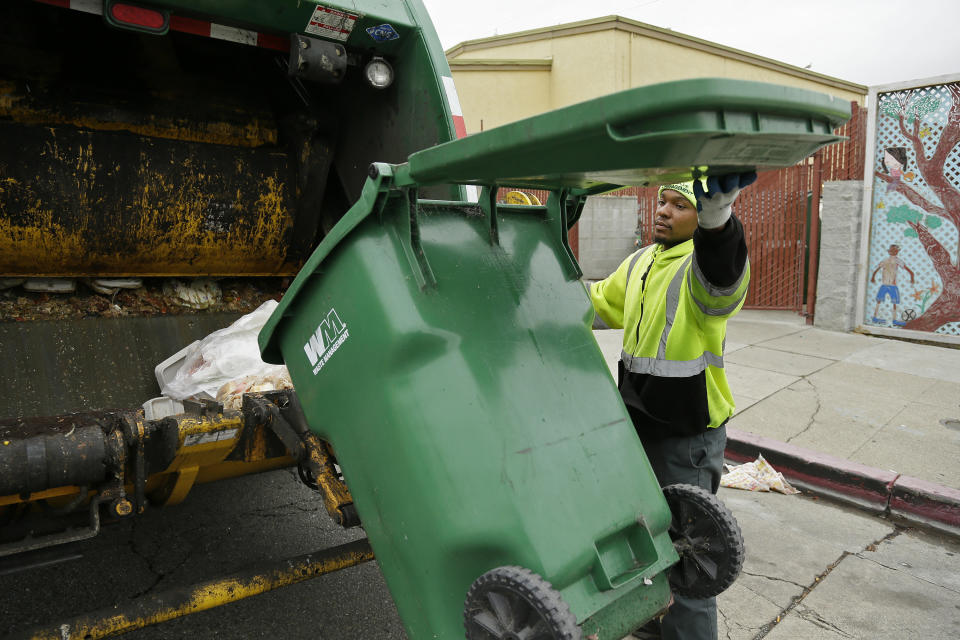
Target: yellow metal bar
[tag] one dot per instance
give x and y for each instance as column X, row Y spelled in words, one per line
column 56, row 492
column 336, row 495
column 174, row 603
column 203, row 441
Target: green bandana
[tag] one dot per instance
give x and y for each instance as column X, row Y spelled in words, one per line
column 684, row 188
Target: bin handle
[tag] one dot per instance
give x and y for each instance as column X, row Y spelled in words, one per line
column 412, row 248
column 606, row 583
column 488, row 202
column 558, row 216
column 624, row 556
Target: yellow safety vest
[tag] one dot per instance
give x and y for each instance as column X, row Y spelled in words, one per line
column 674, row 321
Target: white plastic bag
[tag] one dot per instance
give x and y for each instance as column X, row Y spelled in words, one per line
column 222, row 356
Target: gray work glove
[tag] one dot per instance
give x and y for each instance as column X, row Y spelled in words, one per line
column 713, row 205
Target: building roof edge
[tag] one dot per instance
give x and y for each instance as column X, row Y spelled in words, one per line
column 642, row 28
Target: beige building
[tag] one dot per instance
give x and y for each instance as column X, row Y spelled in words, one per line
column 513, row 76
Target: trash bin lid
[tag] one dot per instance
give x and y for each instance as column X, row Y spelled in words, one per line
column 648, row 135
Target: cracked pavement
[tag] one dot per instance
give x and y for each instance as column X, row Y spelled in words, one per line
column 882, row 403
column 817, row 570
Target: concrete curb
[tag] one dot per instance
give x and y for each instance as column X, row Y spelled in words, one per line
column 926, row 502
column 877, row 490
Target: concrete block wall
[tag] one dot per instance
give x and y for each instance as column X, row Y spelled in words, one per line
column 606, row 230
column 838, row 273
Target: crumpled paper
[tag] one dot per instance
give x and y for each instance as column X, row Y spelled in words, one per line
column 758, row 475
column 231, row 394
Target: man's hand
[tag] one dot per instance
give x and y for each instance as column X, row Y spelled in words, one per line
column 713, row 206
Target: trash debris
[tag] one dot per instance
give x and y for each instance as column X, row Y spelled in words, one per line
column 231, row 394
column 50, row 285
column 202, row 369
column 240, row 295
column 109, row 286
column 9, row 283
column 159, row 408
column 198, row 294
column 758, row 475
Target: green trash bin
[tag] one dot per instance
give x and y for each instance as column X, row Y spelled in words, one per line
column 444, row 350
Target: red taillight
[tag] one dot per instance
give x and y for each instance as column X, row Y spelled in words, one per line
column 138, row 16
column 132, row 16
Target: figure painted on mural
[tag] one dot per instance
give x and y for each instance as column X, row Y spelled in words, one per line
column 889, row 268
column 894, row 163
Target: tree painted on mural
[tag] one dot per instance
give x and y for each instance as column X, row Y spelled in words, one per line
column 932, row 167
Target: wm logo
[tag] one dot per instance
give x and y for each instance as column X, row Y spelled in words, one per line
column 326, row 335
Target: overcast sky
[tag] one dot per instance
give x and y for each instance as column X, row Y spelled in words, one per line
column 870, row 42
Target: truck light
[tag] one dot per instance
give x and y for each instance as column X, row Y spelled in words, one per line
column 126, row 15
column 378, row 73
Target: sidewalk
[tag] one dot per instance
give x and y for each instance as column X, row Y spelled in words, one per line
column 870, row 421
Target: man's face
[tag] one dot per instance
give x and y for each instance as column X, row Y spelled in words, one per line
column 676, row 219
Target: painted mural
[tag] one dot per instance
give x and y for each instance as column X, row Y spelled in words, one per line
column 913, row 279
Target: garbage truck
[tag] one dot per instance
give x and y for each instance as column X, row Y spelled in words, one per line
column 268, row 140
column 181, row 147
column 166, row 167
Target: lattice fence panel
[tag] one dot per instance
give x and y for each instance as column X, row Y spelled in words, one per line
column 912, row 125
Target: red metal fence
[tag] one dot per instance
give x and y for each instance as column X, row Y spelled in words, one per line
column 775, row 218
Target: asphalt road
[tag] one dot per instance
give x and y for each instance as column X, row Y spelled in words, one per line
column 221, row 528
column 814, row 570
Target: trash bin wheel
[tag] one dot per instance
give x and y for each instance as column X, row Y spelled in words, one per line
column 707, row 539
column 513, row 603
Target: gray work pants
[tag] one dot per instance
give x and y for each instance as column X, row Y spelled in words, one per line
column 696, row 460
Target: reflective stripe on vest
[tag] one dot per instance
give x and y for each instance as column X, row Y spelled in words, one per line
column 717, row 292
column 670, row 368
column 661, row 366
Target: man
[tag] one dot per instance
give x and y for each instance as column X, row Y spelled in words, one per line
column 889, row 268
column 673, row 299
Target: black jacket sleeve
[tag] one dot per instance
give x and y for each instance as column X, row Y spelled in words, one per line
column 721, row 256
